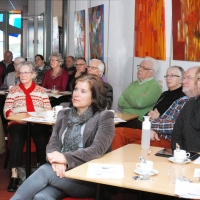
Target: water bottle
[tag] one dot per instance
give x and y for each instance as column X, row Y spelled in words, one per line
column 146, row 126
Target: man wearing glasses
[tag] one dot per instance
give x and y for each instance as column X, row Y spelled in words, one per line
column 97, row 67
column 81, row 68
column 141, row 95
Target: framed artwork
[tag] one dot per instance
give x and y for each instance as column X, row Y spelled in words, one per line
column 79, row 33
column 186, row 29
column 150, row 36
column 96, row 32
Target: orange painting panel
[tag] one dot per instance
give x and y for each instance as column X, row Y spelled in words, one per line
column 186, row 30
column 150, row 29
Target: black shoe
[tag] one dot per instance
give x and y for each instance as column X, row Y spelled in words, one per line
column 13, row 185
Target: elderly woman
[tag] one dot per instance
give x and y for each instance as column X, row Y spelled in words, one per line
column 82, row 133
column 55, row 76
column 174, row 77
column 41, row 68
column 22, row 98
column 12, row 78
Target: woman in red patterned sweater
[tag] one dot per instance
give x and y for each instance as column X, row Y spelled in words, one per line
column 22, row 98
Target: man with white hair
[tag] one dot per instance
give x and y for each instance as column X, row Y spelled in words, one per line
column 12, row 78
column 141, row 95
column 96, row 67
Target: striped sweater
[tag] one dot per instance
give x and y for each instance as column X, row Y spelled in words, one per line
column 16, row 100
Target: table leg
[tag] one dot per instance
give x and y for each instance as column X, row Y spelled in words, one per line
column 97, row 197
column 28, row 151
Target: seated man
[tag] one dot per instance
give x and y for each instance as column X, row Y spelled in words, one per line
column 81, row 68
column 186, row 130
column 70, row 68
column 162, row 127
column 12, row 78
column 141, row 95
column 96, row 67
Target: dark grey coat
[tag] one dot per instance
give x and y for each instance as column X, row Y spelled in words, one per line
column 97, row 137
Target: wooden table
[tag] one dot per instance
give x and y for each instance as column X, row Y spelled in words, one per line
column 126, row 117
column 128, row 156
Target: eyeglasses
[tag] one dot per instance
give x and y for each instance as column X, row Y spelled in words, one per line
column 25, row 73
column 92, row 68
column 38, row 59
column 143, row 67
column 53, row 60
column 171, row 76
column 76, row 65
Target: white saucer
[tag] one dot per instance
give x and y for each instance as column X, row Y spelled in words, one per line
column 151, row 173
column 187, row 160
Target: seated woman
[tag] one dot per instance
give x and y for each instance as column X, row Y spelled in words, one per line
column 174, row 78
column 82, row 133
column 55, row 77
column 41, row 68
column 22, row 98
column 12, row 78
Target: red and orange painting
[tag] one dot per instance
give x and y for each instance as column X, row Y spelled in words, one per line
column 186, row 29
column 150, row 29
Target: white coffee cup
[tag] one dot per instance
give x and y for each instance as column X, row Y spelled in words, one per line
column 145, row 167
column 181, row 155
column 58, row 108
column 49, row 114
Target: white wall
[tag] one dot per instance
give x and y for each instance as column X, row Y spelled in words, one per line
column 119, row 42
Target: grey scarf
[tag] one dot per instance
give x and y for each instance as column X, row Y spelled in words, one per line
column 73, row 136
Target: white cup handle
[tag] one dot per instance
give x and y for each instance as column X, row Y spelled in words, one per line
column 137, row 165
column 187, row 154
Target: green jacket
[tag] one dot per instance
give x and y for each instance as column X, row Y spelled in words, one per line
column 140, row 98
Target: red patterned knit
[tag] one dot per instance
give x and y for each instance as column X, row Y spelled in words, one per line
column 16, row 100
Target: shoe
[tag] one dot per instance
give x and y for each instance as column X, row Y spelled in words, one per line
column 13, row 185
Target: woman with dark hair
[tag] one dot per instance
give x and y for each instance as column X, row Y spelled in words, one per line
column 41, row 68
column 82, row 133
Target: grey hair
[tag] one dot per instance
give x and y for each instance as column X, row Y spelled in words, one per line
column 179, row 69
column 20, row 59
column 31, row 66
column 101, row 65
column 155, row 64
column 58, row 56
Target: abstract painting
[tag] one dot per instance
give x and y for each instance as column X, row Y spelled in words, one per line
column 150, row 29
column 96, row 32
column 79, row 34
column 186, row 29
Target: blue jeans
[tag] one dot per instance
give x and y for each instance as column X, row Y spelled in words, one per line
column 44, row 184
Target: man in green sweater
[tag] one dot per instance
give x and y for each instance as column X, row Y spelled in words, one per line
column 141, row 95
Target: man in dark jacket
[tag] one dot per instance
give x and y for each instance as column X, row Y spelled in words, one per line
column 7, row 64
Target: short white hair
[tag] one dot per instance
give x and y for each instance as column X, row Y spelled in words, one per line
column 101, row 65
column 20, row 59
column 154, row 62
